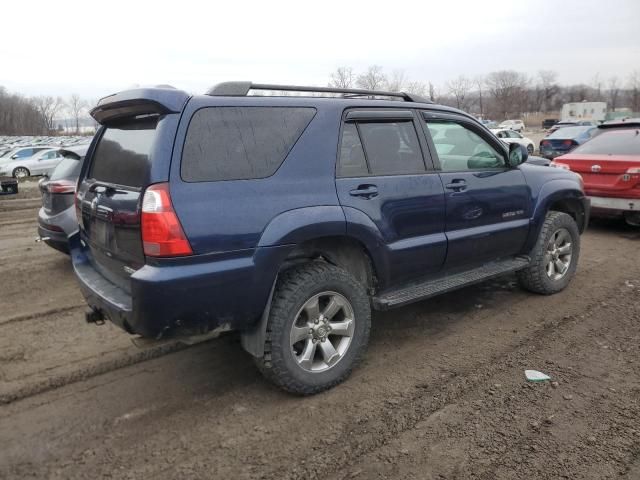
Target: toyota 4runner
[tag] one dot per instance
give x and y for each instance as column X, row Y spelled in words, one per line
column 289, row 218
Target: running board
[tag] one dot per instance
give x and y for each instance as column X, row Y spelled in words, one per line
column 419, row 291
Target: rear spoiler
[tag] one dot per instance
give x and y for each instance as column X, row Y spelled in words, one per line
column 139, row 101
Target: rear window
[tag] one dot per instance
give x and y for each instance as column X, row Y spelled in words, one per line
column 621, row 142
column 568, row 132
column 69, row 168
column 239, row 143
column 122, row 155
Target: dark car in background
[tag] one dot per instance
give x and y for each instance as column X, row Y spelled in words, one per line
column 57, row 217
column 564, row 140
column 547, row 123
column 8, row 185
column 609, row 164
column 570, row 123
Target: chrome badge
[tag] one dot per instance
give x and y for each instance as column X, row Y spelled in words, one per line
column 596, row 168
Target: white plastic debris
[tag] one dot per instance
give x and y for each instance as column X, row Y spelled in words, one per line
column 536, row 376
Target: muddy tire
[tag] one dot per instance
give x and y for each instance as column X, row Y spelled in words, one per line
column 554, row 257
column 318, row 328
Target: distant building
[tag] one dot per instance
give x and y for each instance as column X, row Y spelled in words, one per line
column 575, row 111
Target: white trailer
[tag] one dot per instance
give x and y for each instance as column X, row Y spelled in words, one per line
column 576, row 111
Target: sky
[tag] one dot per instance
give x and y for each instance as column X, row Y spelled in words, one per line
column 97, row 48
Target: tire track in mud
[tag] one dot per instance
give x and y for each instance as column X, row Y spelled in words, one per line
column 90, row 371
column 406, row 414
column 39, row 314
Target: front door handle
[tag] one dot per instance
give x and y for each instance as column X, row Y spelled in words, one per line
column 365, row 191
column 457, row 185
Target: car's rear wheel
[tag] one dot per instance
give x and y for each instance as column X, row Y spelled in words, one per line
column 318, row 328
column 554, row 257
column 20, row 172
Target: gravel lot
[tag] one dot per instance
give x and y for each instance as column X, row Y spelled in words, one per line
column 441, row 393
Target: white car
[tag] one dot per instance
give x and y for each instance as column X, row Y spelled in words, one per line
column 510, row 136
column 40, row 163
column 516, row 125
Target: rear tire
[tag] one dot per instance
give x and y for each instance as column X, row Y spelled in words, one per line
column 312, row 344
column 555, row 256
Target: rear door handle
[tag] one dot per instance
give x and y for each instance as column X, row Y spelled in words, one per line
column 365, row 191
column 457, row 185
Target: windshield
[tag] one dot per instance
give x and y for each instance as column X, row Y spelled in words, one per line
column 619, row 142
column 569, row 132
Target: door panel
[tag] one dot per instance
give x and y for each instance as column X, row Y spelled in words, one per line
column 385, row 178
column 409, row 213
column 487, row 203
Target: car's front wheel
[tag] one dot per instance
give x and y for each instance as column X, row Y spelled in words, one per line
column 20, row 172
column 318, row 328
column 554, row 257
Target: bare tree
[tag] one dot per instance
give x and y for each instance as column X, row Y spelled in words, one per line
column 433, row 93
column 373, row 79
column 397, row 81
column 76, row 106
column 343, row 77
column 548, row 89
column 634, row 91
column 479, row 81
column 417, row 88
column 460, row 88
column 596, row 83
column 614, row 92
column 506, row 87
column 48, row 107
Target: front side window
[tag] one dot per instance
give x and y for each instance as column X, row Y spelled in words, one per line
column 459, row 148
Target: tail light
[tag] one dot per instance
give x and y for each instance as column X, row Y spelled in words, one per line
column 633, row 170
column 546, row 143
column 568, row 143
column 162, row 234
column 563, row 166
column 61, row 186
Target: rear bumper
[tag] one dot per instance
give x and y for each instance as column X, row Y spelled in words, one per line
column 57, row 240
column 183, row 298
column 615, row 204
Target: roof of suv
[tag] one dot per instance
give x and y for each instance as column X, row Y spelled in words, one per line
column 170, row 100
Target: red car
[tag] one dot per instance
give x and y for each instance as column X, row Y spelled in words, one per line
column 609, row 164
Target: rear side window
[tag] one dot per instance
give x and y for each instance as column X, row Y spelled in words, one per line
column 122, row 155
column 390, row 148
column 240, row 143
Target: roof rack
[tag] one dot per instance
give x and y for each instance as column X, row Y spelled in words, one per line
column 241, row 89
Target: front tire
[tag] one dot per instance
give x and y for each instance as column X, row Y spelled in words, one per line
column 318, row 328
column 20, row 172
column 555, row 256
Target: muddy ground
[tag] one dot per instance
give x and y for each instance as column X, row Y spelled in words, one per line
column 441, row 393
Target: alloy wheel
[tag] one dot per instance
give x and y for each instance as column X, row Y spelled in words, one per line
column 558, row 255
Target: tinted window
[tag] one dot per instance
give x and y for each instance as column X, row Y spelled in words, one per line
column 352, row 161
column 235, row 143
column 25, row 152
column 69, row 168
column 621, row 142
column 392, row 148
column 459, row 148
column 122, row 155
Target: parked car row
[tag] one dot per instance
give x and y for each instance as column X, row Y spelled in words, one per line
column 32, row 160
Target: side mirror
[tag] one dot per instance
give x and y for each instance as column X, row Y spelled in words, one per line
column 517, row 154
column 13, row 157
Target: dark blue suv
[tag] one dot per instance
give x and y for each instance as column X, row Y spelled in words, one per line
column 288, row 218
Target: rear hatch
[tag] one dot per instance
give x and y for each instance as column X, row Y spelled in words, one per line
column 613, row 175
